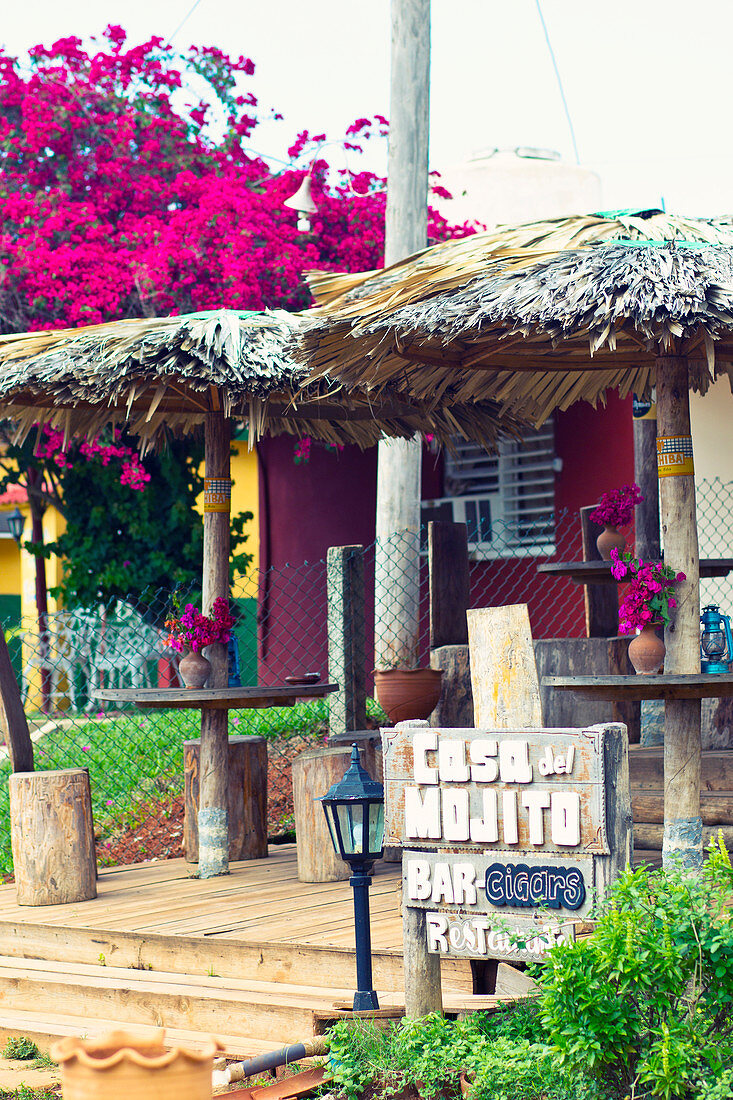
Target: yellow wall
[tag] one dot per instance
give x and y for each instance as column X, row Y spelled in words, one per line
column 245, row 498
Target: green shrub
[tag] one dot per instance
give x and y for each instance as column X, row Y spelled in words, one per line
column 22, row 1048
column 644, row 1006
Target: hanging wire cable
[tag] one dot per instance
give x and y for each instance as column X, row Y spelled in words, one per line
column 559, row 80
column 185, row 19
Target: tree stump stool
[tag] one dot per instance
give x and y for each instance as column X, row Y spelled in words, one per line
column 52, row 836
column 314, row 771
column 247, row 798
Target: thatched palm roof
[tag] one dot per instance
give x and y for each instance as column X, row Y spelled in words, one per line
column 519, row 318
column 165, row 374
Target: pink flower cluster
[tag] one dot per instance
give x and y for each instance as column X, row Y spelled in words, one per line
column 133, row 473
column 649, row 598
column 124, row 194
column 194, row 630
column 616, row 508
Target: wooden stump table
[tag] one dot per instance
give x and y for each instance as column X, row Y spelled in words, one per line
column 52, row 837
column 247, row 805
column 214, row 856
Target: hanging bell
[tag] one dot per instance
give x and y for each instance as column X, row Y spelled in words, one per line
column 302, row 200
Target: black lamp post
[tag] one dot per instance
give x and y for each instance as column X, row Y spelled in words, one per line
column 16, row 522
column 354, row 809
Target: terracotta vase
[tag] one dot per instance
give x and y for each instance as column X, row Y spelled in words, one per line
column 609, row 537
column 194, row 669
column 138, row 1068
column 646, row 651
column 408, row 693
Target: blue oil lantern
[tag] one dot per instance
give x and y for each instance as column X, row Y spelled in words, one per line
column 716, row 641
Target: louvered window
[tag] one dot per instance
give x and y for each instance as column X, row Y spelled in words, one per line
column 507, row 500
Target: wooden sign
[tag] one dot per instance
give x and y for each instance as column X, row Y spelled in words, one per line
column 508, row 837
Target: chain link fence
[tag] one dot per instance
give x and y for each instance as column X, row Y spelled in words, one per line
column 135, row 757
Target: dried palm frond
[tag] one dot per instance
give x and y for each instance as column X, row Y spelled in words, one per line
column 159, row 375
column 532, row 328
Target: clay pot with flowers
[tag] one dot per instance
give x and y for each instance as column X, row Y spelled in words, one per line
column 615, row 509
column 190, row 632
column 647, row 604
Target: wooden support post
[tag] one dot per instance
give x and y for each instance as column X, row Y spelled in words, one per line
column 682, row 744
column 346, row 657
column 646, row 525
column 601, row 600
column 15, row 725
column 213, row 826
column 397, row 564
column 506, row 688
column 619, row 821
column 423, row 993
column 450, row 584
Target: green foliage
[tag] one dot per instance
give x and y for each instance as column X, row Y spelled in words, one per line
column 645, row 1005
column 21, row 1048
column 502, row 1055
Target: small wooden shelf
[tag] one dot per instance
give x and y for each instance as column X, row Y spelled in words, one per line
column 599, row 572
column 657, row 686
column 234, row 698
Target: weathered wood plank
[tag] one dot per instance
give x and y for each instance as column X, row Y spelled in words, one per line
column 346, row 657
column 455, row 707
column 450, row 584
column 598, row 657
column 506, row 690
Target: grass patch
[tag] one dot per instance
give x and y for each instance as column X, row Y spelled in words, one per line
column 136, row 757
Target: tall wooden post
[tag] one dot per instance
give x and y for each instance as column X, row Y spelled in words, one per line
column 645, row 475
column 397, row 567
column 212, row 816
column 346, row 659
column 682, row 744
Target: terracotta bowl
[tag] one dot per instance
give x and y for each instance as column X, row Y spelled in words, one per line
column 408, row 693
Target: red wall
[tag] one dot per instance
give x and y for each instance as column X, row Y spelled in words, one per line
column 331, row 501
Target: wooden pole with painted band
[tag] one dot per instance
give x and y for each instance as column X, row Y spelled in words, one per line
column 212, row 815
column 682, row 743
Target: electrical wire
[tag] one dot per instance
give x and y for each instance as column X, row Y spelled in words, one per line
column 559, row 80
column 185, row 19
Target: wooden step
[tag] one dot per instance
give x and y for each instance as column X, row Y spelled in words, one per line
column 646, row 768
column 716, row 807
column 45, row 1028
column 295, row 964
column 278, row 1013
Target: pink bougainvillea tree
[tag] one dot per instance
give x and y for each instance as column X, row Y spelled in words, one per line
column 129, row 186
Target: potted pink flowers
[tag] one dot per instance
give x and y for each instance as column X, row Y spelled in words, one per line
column 648, row 603
column 190, row 632
column 615, row 509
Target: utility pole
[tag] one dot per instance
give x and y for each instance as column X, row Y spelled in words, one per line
column 397, row 567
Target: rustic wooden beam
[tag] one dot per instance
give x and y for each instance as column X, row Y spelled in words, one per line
column 682, row 742
column 346, row 638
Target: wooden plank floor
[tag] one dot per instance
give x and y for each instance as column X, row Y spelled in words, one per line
column 260, row 901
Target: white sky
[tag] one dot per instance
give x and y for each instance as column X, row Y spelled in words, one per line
column 648, row 82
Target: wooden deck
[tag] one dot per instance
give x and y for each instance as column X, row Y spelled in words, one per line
column 251, row 956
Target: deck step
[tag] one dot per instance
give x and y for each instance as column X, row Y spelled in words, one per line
column 45, row 1028
column 291, row 963
column 275, row 1012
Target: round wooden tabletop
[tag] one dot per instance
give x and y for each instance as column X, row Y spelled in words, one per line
column 599, row 572
column 705, row 685
column 234, row 698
